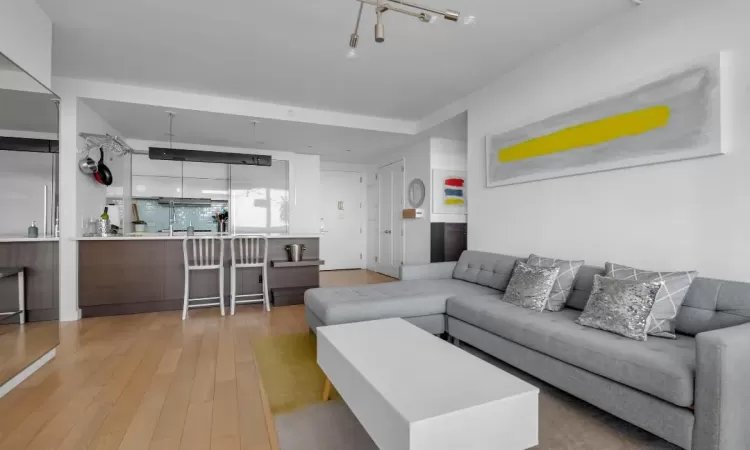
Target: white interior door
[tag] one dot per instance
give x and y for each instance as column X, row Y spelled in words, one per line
column 397, row 212
column 390, row 226
column 342, row 231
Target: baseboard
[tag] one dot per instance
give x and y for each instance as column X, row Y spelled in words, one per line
column 27, row 372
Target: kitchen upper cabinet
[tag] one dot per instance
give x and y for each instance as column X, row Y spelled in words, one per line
column 144, row 166
column 206, row 188
column 150, row 186
column 205, row 170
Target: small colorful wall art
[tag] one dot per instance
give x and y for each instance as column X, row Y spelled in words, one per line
column 449, row 191
column 677, row 117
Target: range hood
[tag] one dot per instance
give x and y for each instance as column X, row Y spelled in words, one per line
column 184, row 201
column 168, row 154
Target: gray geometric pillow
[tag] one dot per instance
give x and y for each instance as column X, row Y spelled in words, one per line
column 670, row 298
column 620, row 306
column 530, row 286
column 563, row 284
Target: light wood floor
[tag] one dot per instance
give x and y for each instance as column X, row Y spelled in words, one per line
column 21, row 345
column 153, row 381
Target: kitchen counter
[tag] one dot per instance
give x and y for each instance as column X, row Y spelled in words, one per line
column 146, row 273
column 166, row 236
column 27, row 239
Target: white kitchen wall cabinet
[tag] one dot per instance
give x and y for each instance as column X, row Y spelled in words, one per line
column 142, row 165
column 150, row 186
column 205, row 170
column 205, row 188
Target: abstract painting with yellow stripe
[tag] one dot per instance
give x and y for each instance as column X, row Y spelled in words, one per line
column 675, row 118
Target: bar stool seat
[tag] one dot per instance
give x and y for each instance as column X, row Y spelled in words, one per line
column 21, row 312
column 200, row 253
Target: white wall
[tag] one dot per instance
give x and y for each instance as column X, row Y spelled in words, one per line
column 416, row 231
column 684, row 215
column 26, row 37
column 91, row 197
column 449, row 155
column 80, row 195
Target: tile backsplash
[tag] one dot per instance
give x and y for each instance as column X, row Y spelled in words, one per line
column 156, row 215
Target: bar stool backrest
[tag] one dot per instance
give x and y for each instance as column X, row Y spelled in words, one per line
column 249, row 250
column 203, row 252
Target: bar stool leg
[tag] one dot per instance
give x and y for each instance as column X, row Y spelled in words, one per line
column 266, row 299
column 232, row 288
column 221, row 288
column 22, row 296
column 187, row 293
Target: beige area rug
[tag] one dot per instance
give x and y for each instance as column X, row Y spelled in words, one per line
column 289, row 370
column 294, row 384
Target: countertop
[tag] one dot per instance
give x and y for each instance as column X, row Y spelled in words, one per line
column 166, row 237
column 27, row 239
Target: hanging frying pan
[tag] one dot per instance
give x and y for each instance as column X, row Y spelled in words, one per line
column 103, row 174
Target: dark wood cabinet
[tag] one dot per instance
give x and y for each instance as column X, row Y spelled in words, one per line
column 134, row 276
column 447, row 241
column 40, row 259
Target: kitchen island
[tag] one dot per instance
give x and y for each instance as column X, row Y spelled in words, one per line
column 145, row 273
column 38, row 257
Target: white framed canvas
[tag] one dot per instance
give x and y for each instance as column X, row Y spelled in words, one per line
column 676, row 117
column 448, row 191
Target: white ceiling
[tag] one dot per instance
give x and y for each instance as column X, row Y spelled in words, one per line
column 293, row 51
column 340, row 144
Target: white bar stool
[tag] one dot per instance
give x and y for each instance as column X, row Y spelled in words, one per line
column 200, row 254
column 253, row 252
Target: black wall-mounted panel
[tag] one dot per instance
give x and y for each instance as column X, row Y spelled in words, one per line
column 29, row 145
column 168, row 154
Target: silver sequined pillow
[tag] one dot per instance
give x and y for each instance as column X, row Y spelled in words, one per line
column 530, row 286
column 620, row 306
column 564, row 282
column 668, row 301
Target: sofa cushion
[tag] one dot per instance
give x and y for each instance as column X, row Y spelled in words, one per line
column 529, row 287
column 713, row 304
column 564, row 282
column 337, row 305
column 582, row 287
column 660, row 367
column 620, row 306
column 485, row 269
column 668, row 302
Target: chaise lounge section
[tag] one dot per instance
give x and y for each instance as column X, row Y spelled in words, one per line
column 691, row 391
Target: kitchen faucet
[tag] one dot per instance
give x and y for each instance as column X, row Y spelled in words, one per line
column 172, row 217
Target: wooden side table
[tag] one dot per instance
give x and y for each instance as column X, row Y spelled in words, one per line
column 21, row 312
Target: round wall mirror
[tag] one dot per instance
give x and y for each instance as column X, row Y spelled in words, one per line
column 416, row 193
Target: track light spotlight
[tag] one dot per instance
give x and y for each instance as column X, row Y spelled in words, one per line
column 423, row 13
column 379, row 28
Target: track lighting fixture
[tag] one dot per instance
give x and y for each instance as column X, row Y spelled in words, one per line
column 423, row 13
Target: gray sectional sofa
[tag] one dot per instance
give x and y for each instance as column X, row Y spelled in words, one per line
column 693, row 391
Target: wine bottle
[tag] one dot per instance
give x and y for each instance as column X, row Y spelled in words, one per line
column 105, row 214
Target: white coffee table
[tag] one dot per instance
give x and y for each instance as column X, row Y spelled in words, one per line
column 413, row 391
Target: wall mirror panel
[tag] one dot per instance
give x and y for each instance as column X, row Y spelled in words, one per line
column 29, row 300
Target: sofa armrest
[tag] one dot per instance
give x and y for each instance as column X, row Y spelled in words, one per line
column 722, row 393
column 434, row 271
